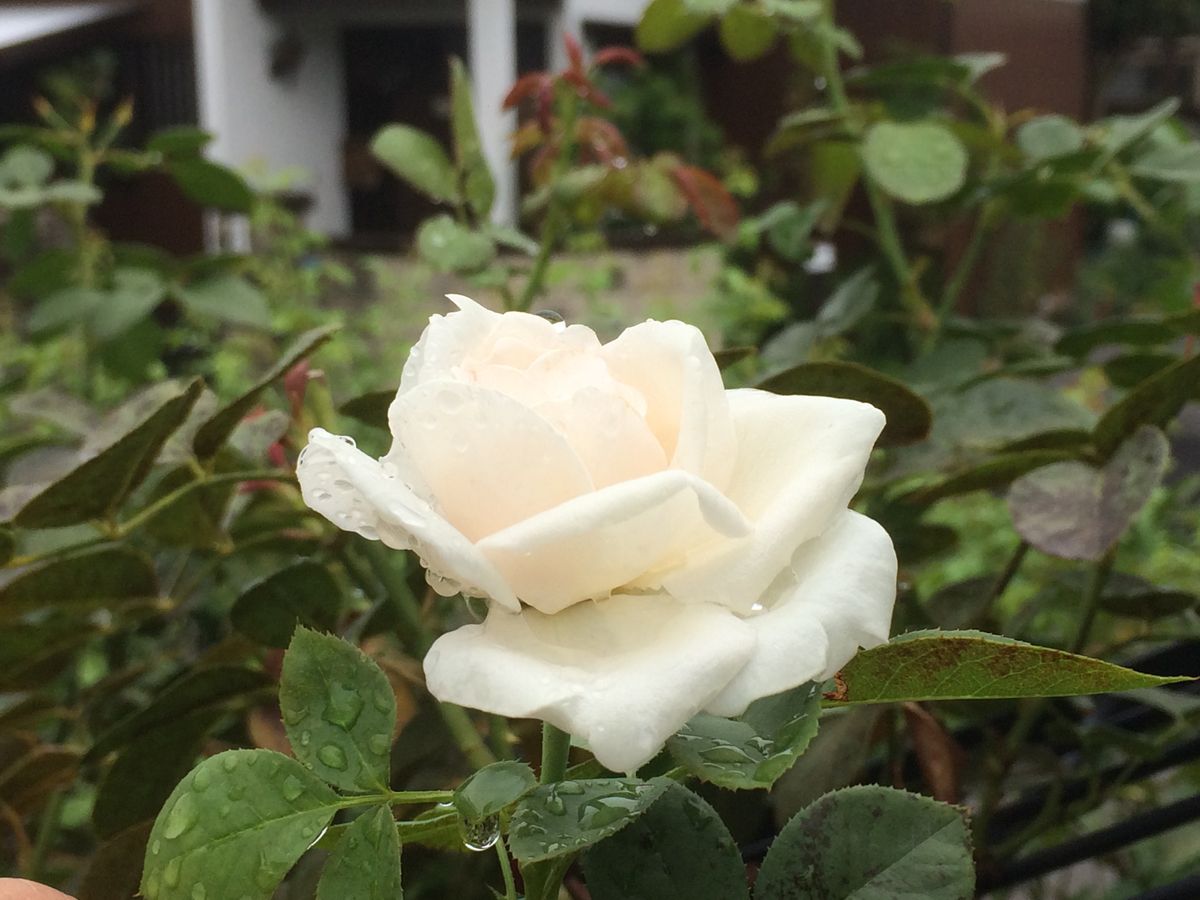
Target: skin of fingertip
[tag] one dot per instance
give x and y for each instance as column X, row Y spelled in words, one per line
column 19, row 889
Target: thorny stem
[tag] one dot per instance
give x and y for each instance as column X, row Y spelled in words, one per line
column 1005, row 578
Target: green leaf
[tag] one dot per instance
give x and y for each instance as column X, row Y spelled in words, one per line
column 227, row 298
column 746, row 34
column 452, row 247
column 1046, row 137
column 543, row 879
column 339, row 711
column 909, row 417
column 1134, row 597
column 755, row 749
column 1178, row 163
column 478, row 186
column 789, row 228
column 366, row 863
column 1118, row 132
column 1130, row 369
column 180, row 140
column 212, row 185
column 147, row 770
column 1155, row 401
column 419, row 159
column 917, row 162
column 8, row 545
column 134, row 295
column 797, row 10
column 667, row 24
column 96, row 488
column 270, row 610
column 72, row 192
column 370, row 408
column 849, row 304
column 678, row 849
column 969, row 665
column 1138, row 331
column 234, row 827
column 493, row 788
column 1075, row 511
column 997, row 472
column 214, row 432
column 204, row 690
column 962, row 604
column 64, row 307
column 870, row 843
column 562, row 818
column 97, row 578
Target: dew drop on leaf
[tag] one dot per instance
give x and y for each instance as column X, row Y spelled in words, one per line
column 332, row 756
column 181, row 817
column 480, row 834
column 343, row 707
column 170, row 875
column 292, row 788
column 379, row 744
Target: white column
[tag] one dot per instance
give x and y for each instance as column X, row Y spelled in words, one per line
column 492, row 62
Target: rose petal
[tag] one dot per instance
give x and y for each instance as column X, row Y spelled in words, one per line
column 446, row 340
column 354, row 491
column 610, row 439
column 600, row 541
column 487, row 460
column 836, row 596
column 670, row 364
column 800, row 461
column 622, row 674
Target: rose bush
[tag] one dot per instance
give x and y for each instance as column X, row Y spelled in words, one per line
column 650, row 544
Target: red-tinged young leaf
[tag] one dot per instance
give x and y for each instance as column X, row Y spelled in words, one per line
column 607, row 56
column 713, row 205
column 574, row 52
column 602, row 138
column 526, row 86
column 525, row 139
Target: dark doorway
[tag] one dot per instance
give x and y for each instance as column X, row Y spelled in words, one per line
column 401, row 74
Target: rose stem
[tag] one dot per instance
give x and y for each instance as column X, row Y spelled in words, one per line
column 419, row 639
column 556, row 745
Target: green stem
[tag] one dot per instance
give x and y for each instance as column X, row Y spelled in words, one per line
column 1097, row 578
column 47, row 829
column 510, row 886
column 966, row 266
column 405, row 797
column 556, row 746
column 887, row 234
column 1031, row 710
column 146, row 513
column 419, row 639
column 554, row 224
column 1005, row 578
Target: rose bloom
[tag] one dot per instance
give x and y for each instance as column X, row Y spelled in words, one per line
column 650, row 545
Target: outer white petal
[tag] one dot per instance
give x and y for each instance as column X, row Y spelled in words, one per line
column 800, row 461
column 356, row 493
column 836, row 596
column 446, row 340
column 486, row 460
column 599, row 541
column 622, row 674
column 670, row 364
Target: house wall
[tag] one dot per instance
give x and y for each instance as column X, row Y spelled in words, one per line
column 259, row 120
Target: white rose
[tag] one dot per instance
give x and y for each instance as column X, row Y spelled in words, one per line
column 651, row 545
